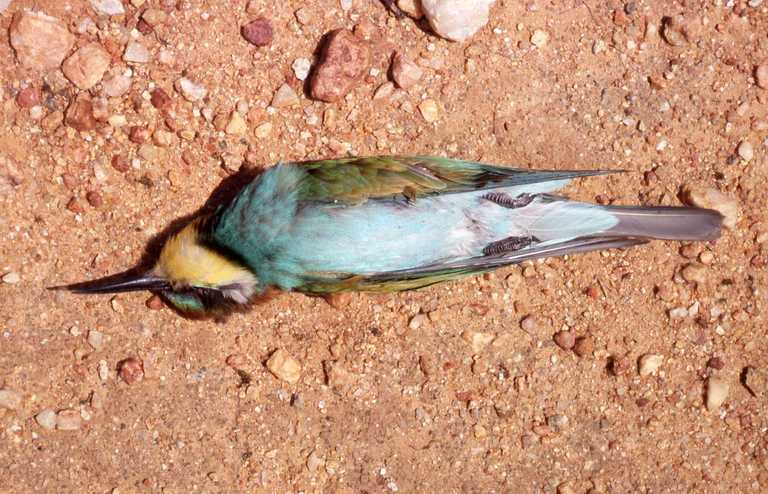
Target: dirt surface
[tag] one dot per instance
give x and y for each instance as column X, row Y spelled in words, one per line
column 456, row 388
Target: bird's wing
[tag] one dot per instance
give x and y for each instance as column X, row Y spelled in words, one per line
column 356, row 180
column 409, row 279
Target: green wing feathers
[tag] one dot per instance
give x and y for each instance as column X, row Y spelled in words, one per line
column 355, row 180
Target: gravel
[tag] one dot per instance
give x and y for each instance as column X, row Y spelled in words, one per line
column 40, row 41
column 95, row 339
column 46, row 419
column 405, row 72
column 761, row 76
column 429, row 110
column 136, row 52
column 10, row 399
column 258, row 32
column 285, row 97
column 343, row 62
column 717, row 393
column 131, row 370
column 86, row 66
column 745, row 150
column 191, row 91
column 456, row 20
column 108, row 7
column 11, row 278
column 284, row 367
column 68, row 420
column 649, row 364
column 301, row 67
column 565, row 339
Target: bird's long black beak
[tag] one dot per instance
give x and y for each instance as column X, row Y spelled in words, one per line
column 129, row 281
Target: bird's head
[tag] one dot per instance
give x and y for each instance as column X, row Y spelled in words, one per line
column 194, row 275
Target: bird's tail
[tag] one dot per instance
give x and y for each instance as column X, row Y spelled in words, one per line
column 665, row 223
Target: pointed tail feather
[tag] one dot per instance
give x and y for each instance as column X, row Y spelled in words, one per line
column 665, row 223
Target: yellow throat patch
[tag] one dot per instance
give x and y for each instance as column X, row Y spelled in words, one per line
column 185, row 260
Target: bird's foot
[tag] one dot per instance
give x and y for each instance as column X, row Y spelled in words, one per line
column 509, row 244
column 505, row 200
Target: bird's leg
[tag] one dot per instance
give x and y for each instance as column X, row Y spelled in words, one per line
column 509, row 244
column 505, row 200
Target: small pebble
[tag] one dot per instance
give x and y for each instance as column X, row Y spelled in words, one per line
column 649, row 364
column 285, row 97
column 28, row 97
column 160, row 99
column 405, row 72
column 131, row 370
column 236, row 124
column 95, row 339
column 135, row 52
column 301, row 68
column 528, row 324
column 191, row 91
column 10, row 399
column 263, row 130
column 429, row 110
column 94, row 198
column 11, row 278
column 477, row 340
column 539, row 38
column 456, row 20
column 154, row 17
column 258, row 32
column 86, row 67
column 108, row 7
column 417, row 321
column 103, row 370
column 155, row 302
column 756, row 382
column 283, row 366
column 384, row 91
column 713, row 199
column 745, row 150
column 585, row 346
column 557, row 422
column 40, row 41
column 717, row 393
column 565, row 339
column 46, row 419
column 344, row 60
column 619, row 365
column 694, row 273
column 68, row 420
column 761, row 76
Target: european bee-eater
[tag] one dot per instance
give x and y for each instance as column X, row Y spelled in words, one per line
column 387, row 224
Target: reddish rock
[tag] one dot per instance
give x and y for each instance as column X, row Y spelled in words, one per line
column 343, row 62
column 139, row 134
column 404, row 72
column 120, row 163
column 258, row 32
column 40, row 41
column 161, row 100
column 80, row 115
column 131, row 370
column 94, row 199
column 86, row 66
column 28, row 97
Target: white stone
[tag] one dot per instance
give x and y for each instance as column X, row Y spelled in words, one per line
column 717, row 392
column 456, row 20
column 4, row 5
column 135, row 52
column 191, row 90
column 108, row 7
column 649, row 364
column 301, row 68
column 46, row 418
